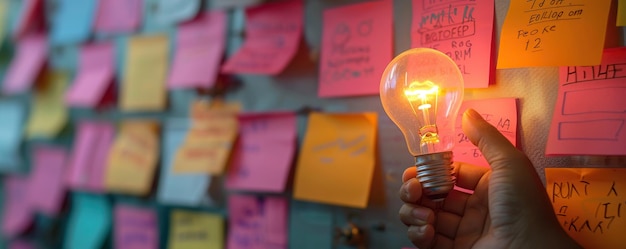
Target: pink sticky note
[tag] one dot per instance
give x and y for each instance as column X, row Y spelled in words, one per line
column 94, row 76
column 264, row 152
column 18, row 214
column 589, row 115
column 200, row 45
column 88, row 161
column 273, row 34
column 20, row 244
column 356, row 47
column 135, row 228
column 46, row 189
column 501, row 113
column 461, row 29
column 26, row 64
column 118, row 16
column 31, row 18
column 257, row 222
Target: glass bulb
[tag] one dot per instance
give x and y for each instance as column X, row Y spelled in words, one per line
column 421, row 91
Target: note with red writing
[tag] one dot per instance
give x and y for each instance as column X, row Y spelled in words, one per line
column 46, row 189
column 257, row 222
column 196, row 230
column 96, row 70
column 175, row 11
column 17, row 213
column 501, row 113
column 89, row 221
column 551, row 33
column 337, row 159
column 589, row 117
column 31, row 18
column 200, row 45
column 88, row 161
column 273, row 33
column 357, row 44
column 27, row 63
column 48, row 114
column 264, row 152
column 463, row 30
column 118, row 16
column 588, row 204
column 135, row 227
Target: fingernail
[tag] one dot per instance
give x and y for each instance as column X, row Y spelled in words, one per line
column 473, row 114
column 422, row 229
column 420, row 214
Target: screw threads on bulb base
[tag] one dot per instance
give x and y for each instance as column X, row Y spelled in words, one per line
column 436, row 174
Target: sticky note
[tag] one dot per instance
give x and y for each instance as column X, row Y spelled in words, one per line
column 135, row 227
column 21, row 244
column 143, row 86
column 356, row 47
column 89, row 222
column 264, row 152
column 118, row 16
column 589, row 116
column 199, row 49
column 133, row 157
column 223, row 4
column 337, row 159
column 210, row 139
column 621, row 13
column 95, row 75
column 46, row 189
column 273, row 33
column 311, row 226
column 257, row 222
column 544, row 33
column 72, row 21
column 463, row 30
column 30, row 18
column 13, row 115
column 27, row 63
column 88, row 161
column 171, row 184
column 588, row 204
column 500, row 112
column 175, row 11
column 4, row 18
column 195, row 230
column 17, row 214
column 48, row 113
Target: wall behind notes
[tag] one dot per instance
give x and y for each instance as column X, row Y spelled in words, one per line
column 297, row 87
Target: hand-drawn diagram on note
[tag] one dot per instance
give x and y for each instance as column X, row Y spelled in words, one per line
column 590, row 112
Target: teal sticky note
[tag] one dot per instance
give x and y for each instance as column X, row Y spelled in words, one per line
column 310, row 226
column 13, row 114
column 72, row 21
column 89, row 222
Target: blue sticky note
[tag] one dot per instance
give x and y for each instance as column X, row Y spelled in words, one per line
column 72, row 21
column 311, row 226
column 176, row 11
column 13, row 114
column 89, row 222
column 176, row 188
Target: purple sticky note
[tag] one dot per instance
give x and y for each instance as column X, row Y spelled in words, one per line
column 135, row 228
column 88, row 161
column 118, row 16
column 46, row 189
column 95, row 74
column 264, row 153
column 17, row 214
column 200, row 45
column 257, row 222
column 26, row 64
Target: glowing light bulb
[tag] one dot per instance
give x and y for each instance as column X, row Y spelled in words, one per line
column 421, row 91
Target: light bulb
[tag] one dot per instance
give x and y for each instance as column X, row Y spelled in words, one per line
column 421, row 91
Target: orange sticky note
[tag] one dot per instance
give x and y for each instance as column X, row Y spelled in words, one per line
column 133, row 158
column 337, row 159
column 588, row 203
column 143, row 86
column 48, row 114
column 210, row 139
column 553, row 33
column 196, row 230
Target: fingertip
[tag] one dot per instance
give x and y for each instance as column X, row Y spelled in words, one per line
column 409, row 173
column 411, row 191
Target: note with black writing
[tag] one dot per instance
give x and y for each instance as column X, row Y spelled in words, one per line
column 135, row 227
column 195, row 230
column 257, row 222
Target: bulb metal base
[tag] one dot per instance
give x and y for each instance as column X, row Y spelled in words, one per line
column 436, row 174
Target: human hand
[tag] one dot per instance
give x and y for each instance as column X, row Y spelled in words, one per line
column 509, row 207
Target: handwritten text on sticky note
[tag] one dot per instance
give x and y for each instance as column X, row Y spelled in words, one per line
column 135, row 228
column 196, row 230
column 257, row 222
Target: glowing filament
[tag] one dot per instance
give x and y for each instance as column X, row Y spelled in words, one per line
column 421, row 91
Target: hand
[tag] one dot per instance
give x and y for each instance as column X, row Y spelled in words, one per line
column 509, row 207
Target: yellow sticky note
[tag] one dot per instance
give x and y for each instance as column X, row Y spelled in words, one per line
column 337, row 159
column 208, row 144
column 48, row 113
column 589, row 204
column 621, row 13
column 133, row 158
column 143, row 86
column 196, row 230
column 553, row 33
